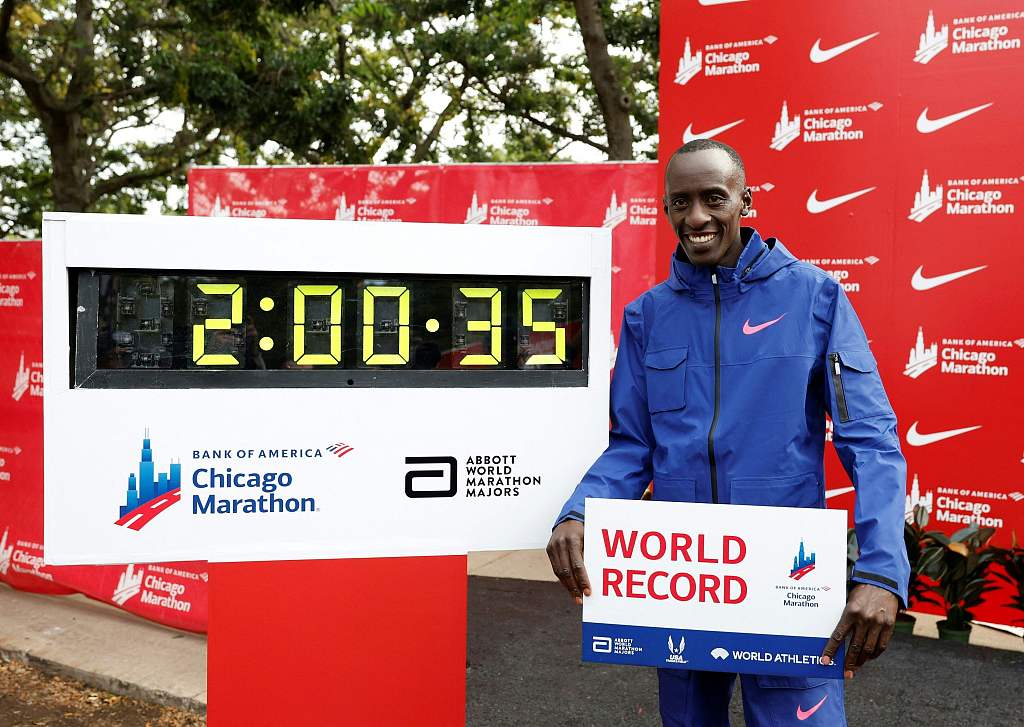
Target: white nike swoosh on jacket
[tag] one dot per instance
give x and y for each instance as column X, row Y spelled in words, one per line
column 821, row 56
column 916, row 439
column 816, row 206
column 927, row 126
column 920, row 282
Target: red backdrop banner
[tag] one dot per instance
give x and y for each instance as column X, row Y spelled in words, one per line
column 174, row 594
column 879, row 138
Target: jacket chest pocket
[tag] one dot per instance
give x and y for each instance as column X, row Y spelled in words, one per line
column 666, row 379
column 856, row 386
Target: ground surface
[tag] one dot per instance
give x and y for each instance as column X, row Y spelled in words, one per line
column 30, row 698
column 524, row 670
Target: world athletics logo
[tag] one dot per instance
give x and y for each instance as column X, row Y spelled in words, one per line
column 149, row 494
column 802, row 564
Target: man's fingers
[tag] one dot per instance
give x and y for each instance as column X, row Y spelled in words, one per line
column 566, row 560
column 559, row 557
column 855, row 647
column 870, row 643
column 835, row 640
column 579, row 572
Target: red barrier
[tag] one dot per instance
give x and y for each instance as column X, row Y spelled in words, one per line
column 880, row 141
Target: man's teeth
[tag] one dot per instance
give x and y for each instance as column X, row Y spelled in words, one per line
column 706, row 237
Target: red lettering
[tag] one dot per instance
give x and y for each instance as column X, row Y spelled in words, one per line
column 634, row 584
column 618, row 542
column 650, row 585
column 612, row 580
column 740, row 584
column 700, row 551
column 690, row 582
column 741, row 549
column 645, row 547
column 709, row 587
column 678, row 548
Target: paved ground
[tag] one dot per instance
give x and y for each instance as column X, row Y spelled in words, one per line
column 524, row 668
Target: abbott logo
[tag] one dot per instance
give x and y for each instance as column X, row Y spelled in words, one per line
column 128, row 585
column 601, row 645
column 448, row 485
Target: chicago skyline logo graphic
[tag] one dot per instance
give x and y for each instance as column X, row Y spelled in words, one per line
column 149, row 493
column 802, row 563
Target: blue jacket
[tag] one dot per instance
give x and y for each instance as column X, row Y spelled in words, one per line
column 721, row 381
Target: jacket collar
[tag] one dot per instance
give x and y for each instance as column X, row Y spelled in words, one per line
column 758, row 260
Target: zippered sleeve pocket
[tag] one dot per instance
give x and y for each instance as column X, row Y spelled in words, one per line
column 666, row 379
column 856, row 387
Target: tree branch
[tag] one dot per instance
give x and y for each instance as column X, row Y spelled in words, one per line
column 546, row 125
column 82, row 71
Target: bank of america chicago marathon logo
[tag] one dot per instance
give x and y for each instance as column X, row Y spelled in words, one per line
column 6, row 553
column 150, row 493
column 820, row 124
column 634, row 211
column 970, row 196
column 721, row 59
column 958, row 505
column 802, row 563
column 960, row 356
column 983, row 33
column 155, row 589
column 519, row 211
column 27, row 379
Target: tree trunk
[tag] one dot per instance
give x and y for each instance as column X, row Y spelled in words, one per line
column 615, row 102
column 71, row 192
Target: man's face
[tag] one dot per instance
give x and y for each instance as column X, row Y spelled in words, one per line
column 704, row 197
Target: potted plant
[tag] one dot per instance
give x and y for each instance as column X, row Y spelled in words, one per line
column 959, row 565
column 918, row 591
column 1012, row 561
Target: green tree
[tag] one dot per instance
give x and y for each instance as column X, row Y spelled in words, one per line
column 88, row 87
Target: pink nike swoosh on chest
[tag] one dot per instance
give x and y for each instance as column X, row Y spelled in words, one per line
column 749, row 329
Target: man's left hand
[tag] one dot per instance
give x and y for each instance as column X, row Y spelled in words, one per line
column 868, row 619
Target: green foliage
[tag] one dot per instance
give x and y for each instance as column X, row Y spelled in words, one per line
column 1012, row 561
column 915, row 540
column 959, row 565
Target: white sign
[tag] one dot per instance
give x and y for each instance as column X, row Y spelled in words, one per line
column 165, row 472
column 714, row 587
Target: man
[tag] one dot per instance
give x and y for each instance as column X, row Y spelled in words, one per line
column 723, row 374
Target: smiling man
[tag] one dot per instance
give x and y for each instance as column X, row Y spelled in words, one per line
column 723, row 377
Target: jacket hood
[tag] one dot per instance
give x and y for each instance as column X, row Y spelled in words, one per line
column 759, row 259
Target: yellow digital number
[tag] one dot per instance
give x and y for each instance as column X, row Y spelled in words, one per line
column 370, row 295
column 493, row 325
column 199, row 355
column 530, row 295
column 299, row 325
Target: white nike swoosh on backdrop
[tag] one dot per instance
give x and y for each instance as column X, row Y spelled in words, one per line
column 689, row 134
column 816, row 206
column 916, row 439
column 920, row 282
column 821, row 56
column 829, row 494
column 927, row 126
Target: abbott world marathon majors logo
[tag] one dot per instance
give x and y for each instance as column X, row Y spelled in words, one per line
column 722, row 59
column 520, row 211
column 961, row 505
column 224, row 482
column 965, row 196
column 845, row 270
column 821, row 124
column 481, row 476
column 970, row 34
column 156, row 586
column 28, row 379
column 961, row 356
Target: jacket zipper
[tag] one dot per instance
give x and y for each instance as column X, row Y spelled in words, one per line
column 837, row 383
column 718, row 390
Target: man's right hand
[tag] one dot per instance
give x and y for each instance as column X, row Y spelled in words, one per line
column 565, row 551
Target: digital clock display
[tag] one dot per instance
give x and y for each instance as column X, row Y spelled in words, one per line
column 197, row 329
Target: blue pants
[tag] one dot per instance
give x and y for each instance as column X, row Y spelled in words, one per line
column 701, row 699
